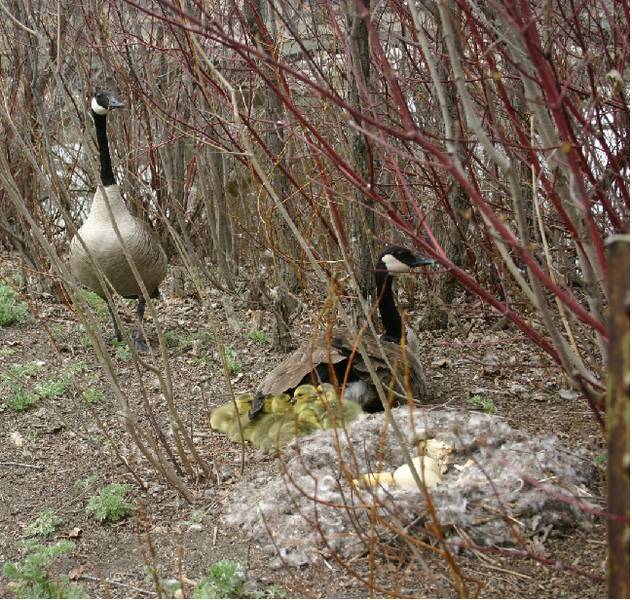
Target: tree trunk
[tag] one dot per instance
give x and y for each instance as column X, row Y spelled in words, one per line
column 362, row 218
column 618, row 417
column 260, row 23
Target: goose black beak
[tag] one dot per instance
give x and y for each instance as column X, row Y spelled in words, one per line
column 420, row 262
column 114, row 103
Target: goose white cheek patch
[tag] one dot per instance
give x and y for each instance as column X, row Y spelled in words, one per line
column 394, row 265
column 97, row 108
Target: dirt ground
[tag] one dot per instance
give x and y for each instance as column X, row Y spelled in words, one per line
column 47, row 449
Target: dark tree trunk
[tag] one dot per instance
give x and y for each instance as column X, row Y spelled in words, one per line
column 618, row 417
column 362, row 218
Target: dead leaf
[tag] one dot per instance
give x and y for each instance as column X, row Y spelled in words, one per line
column 17, row 439
column 76, row 573
column 490, row 365
column 568, row 394
column 75, row 532
column 441, row 362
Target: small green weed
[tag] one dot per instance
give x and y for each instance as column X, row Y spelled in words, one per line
column 79, row 367
column 231, row 360
column 58, row 332
column 12, row 310
column 197, row 517
column 123, row 353
column 52, row 388
column 186, row 341
column 261, row 337
column 19, row 372
column 602, row 459
column 19, row 399
column 205, row 361
column 7, row 352
column 84, row 338
column 272, row 591
column 484, row 404
column 92, row 395
column 97, row 304
column 44, row 526
column 16, row 396
column 32, row 578
column 86, row 483
column 225, row 579
column 110, row 503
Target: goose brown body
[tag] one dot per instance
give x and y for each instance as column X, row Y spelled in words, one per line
column 100, row 238
column 325, row 354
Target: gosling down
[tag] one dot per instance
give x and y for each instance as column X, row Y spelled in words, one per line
column 282, row 418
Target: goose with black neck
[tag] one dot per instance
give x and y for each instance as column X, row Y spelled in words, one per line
column 322, row 359
column 98, row 248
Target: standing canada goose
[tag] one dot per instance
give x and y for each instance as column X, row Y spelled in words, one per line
column 326, row 360
column 100, row 239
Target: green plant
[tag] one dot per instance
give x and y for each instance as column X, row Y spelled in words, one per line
column 19, row 399
column 123, row 353
column 32, row 577
column 110, row 503
column 44, row 526
column 204, row 361
column 484, row 404
column 272, row 591
column 84, row 338
column 52, row 389
column 79, row 367
column 12, row 310
column 231, row 360
column 86, row 483
column 172, row 339
column 225, row 579
column 258, row 336
column 97, row 304
column 57, row 331
column 185, row 341
column 92, row 395
column 6, row 352
column 197, row 517
column 19, row 372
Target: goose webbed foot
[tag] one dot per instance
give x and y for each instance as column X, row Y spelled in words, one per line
column 140, row 345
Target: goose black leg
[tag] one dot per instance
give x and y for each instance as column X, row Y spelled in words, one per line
column 139, row 339
column 115, row 328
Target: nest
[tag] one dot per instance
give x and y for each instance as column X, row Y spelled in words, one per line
column 498, row 487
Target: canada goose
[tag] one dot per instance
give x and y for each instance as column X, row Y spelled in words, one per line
column 100, row 239
column 319, row 359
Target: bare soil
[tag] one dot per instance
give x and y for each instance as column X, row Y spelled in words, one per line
column 46, row 449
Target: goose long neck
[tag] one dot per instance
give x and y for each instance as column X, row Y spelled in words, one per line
column 388, row 308
column 107, row 174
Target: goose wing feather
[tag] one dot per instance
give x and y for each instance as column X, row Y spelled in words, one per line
column 298, row 364
column 343, row 340
column 100, row 238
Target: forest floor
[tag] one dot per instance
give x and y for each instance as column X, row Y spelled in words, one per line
column 55, row 456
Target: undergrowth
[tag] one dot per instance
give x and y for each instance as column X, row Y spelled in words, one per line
column 32, row 578
column 110, row 504
column 19, row 392
column 12, row 310
column 45, row 525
